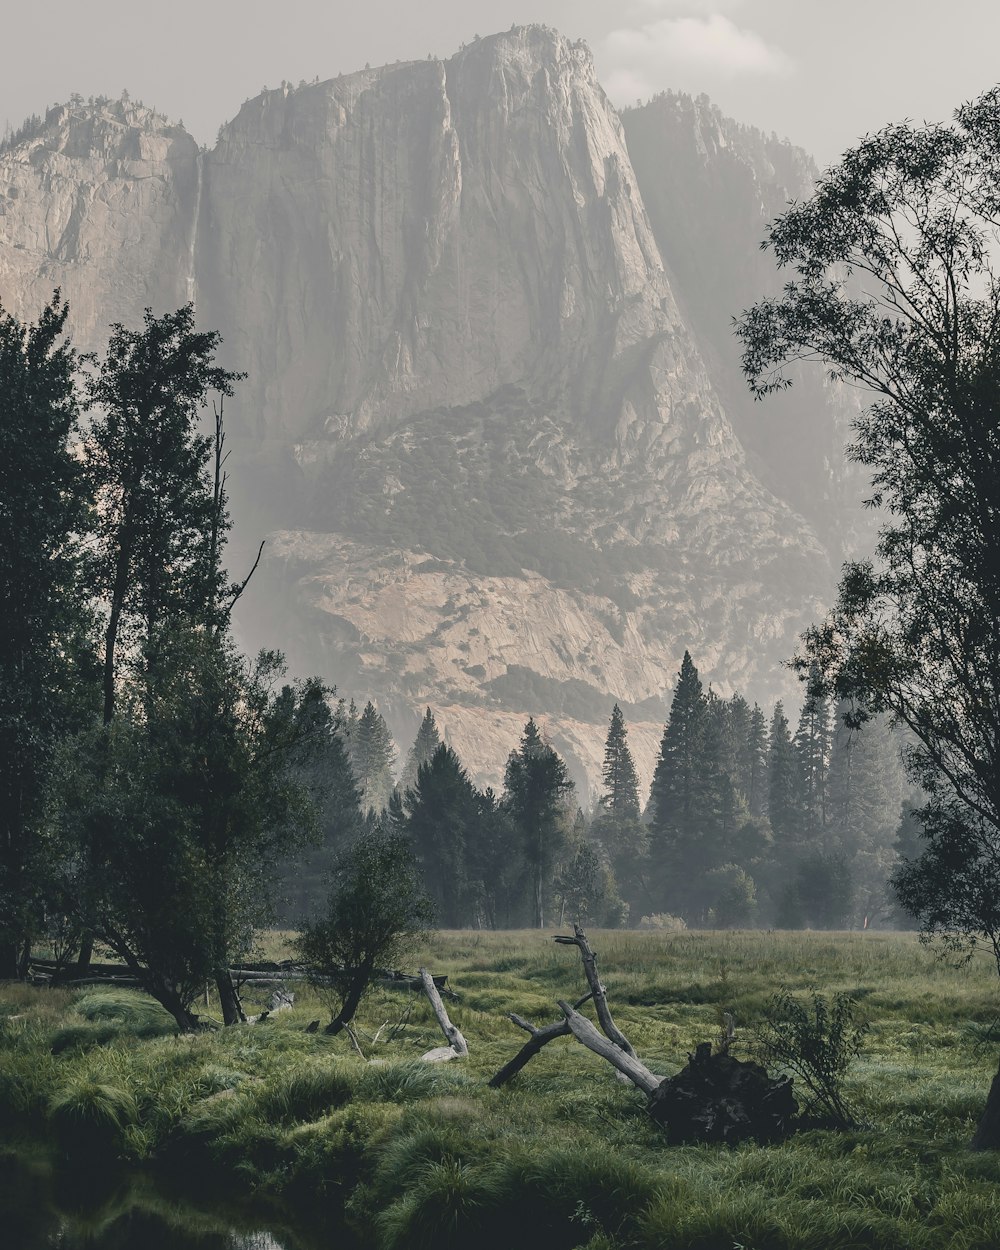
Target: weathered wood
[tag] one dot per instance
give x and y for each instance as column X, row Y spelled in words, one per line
column 453, row 1036
column 611, row 1030
column 539, row 1038
column 627, row 1064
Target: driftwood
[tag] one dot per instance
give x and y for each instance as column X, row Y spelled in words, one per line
column 457, row 1047
column 715, row 1098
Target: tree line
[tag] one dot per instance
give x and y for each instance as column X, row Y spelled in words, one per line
column 746, row 822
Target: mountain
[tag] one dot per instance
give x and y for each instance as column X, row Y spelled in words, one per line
column 493, row 422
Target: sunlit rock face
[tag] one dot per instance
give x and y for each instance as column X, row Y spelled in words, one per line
column 489, row 416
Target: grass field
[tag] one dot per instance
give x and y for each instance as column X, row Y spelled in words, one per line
column 403, row 1154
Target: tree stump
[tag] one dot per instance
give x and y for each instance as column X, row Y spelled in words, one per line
column 717, row 1098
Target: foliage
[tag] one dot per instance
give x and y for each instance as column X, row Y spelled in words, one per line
column 444, row 811
column 46, row 660
column 893, row 287
column 537, row 790
column 182, row 806
column 816, row 1045
column 161, row 517
column 375, row 910
column 424, row 745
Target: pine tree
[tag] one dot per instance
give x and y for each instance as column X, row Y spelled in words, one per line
column 444, row 814
column 372, row 756
column 865, row 804
column 537, row 793
column 677, row 797
column 424, row 745
column 620, row 799
column 756, row 765
column 785, row 788
column 813, row 744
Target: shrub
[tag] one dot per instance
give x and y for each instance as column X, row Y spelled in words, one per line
column 815, row 1045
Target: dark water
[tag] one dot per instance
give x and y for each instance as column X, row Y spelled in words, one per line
column 42, row 1208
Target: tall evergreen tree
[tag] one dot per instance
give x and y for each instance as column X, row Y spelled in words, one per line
column 865, row 805
column 620, row 799
column 813, row 744
column 756, row 765
column 784, row 783
column 444, row 813
column 537, row 793
column 424, row 745
column 45, row 655
column 677, row 797
column 372, row 755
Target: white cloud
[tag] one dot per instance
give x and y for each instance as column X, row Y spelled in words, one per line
column 643, row 60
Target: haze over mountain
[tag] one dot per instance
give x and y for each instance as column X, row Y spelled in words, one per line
column 494, row 422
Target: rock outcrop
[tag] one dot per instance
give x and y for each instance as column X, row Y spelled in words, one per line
column 489, row 413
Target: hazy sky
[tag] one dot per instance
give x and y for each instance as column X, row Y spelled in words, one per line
column 819, row 72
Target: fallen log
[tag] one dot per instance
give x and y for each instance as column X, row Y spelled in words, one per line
column 457, row 1046
column 715, row 1098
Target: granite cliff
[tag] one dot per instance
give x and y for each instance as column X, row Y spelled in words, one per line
column 493, row 420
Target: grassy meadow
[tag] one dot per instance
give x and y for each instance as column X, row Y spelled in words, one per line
column 394, row 1154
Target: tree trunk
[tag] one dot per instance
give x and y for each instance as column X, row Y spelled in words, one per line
column 987, row 1135
column 456, row 1042
column 352, row 1000
column 86, row 951
column 229, row 999
column 8, row 961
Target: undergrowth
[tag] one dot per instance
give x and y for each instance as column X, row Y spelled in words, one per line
column 404, row 1154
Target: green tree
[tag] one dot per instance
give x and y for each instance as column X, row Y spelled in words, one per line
column 184, row 806
column 537, row 793
column 813, row 745
column 161, row 511
column 424, row 745
column 46, row 659
column 621, row 785
column 444, row 814
column 375, row 911
column 785, row 787
column 372, row 753
column 617, row 822
column 677, row 795
column 893, row 286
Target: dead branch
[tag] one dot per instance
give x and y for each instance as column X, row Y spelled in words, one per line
column 457, row 1046
column 628, row 1065
column 539, row 1038
column 611, row 1030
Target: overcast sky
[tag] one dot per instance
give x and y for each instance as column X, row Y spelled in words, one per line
column 819, row 72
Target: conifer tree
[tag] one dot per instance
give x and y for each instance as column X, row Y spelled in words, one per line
column 756, row 765
column 677, row 796
column 620, row 799
column 537, row 793
column 444, row 814
column 424, row 745
column 813, row 742
column 372, row 756
column 784, row 783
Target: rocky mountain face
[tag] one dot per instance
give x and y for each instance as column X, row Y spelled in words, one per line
column 493, row 421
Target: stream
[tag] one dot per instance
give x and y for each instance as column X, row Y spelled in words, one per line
column 42, row 1208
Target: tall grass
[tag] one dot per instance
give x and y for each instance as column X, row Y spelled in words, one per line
column 411, row 1154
